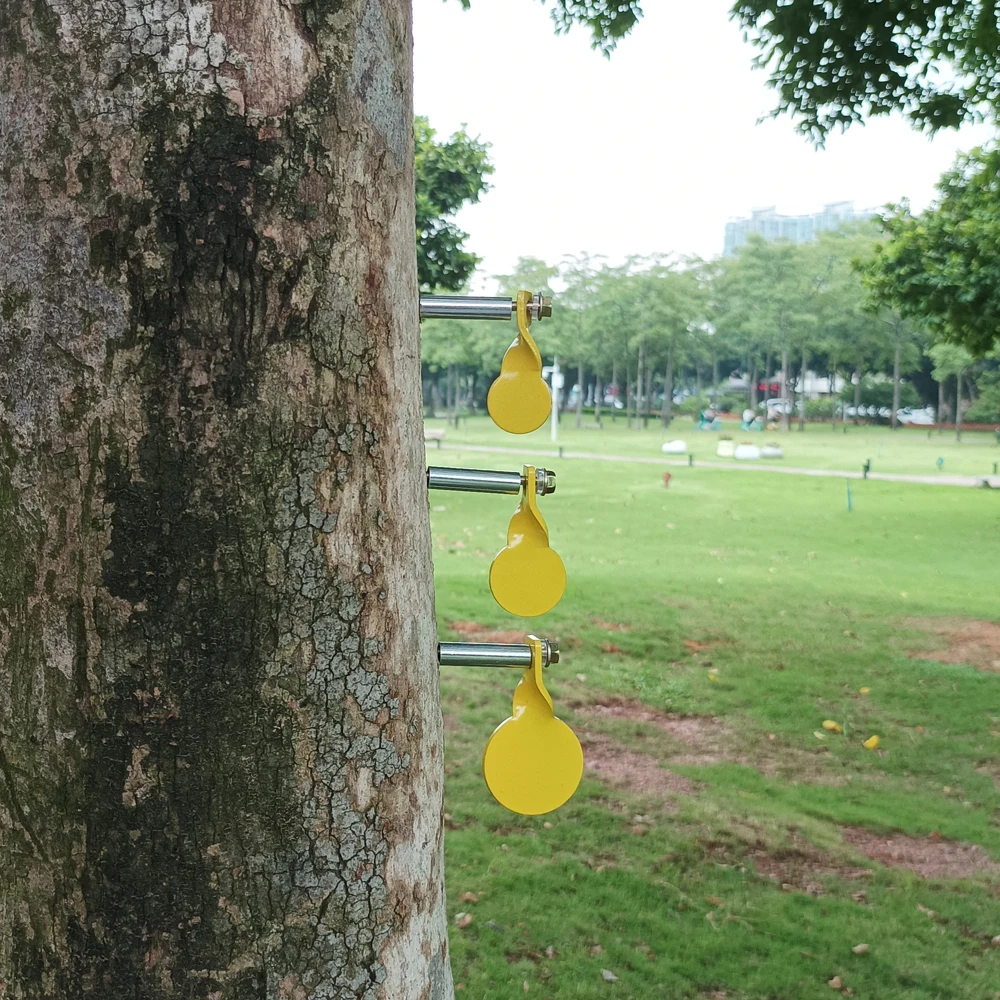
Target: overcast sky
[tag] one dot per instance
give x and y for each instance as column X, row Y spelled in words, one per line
column 650, row 151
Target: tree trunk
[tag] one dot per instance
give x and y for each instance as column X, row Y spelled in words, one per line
column 638, row 383
column 616, row 394
column 715, row 378
column 802, row 390
column 579, row 396
column 647, row 398
column 598, row 393
column 857, row 390
column 221, row 761
column 752, row 365
column 666, row 414
column 940, row 407
column 894, row 416
column 786, row 417
column 958, row 405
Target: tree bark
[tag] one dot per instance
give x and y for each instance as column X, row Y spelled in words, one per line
column 715, row 378
column 598, row 392
column 220, row 732
column 940, row 407
column 894, row 416
column 752, row 365
column 579, row 396
column 647, row 398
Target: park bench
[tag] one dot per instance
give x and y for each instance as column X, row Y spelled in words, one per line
column 435, row 434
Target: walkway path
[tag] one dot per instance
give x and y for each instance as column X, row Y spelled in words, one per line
column 788, row 470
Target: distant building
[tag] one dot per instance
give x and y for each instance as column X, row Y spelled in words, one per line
column 798, row 228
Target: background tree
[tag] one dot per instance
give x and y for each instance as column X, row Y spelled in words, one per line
column 449, row 175
column 942, row 266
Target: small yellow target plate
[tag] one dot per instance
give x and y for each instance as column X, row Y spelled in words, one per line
column 527, row 578
column 533, row 762
column 519, row 401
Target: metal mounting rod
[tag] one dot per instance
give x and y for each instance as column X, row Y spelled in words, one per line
column 494, row 654
column 486, row 481
column 480, row 307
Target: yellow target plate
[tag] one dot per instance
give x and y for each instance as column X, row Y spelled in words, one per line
column 527, row 577
column 519, row 401
column 533, row 762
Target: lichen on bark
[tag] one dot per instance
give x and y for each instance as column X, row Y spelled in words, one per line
column 220, row 739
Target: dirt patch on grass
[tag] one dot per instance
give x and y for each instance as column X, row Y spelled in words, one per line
column 614, row 763
column 699, row 733
column 800, row 868
column 929, row 857
column 609, row 626
column 968, row 640
column 482, row 633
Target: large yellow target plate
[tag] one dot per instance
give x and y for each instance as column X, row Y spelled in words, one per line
column 533, row 762
column 527, row 578
column 519, row 401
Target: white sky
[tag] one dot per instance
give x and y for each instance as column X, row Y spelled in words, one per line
column 649, row 152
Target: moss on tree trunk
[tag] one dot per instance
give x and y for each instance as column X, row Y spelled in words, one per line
column 220, row 737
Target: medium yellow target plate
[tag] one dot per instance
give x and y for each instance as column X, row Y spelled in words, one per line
column 527, row 577
column 519, row 401
column 533, row 762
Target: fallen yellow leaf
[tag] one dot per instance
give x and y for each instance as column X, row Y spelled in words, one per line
column 871, row 743
column 831, row 727
column 864, row 690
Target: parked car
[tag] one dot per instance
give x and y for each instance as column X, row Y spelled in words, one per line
column 779, row 405
column 923, row 417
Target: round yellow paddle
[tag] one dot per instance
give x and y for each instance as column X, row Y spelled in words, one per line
column 527, row 578
column 533, row 762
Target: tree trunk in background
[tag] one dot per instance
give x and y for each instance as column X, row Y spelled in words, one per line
column 579, row 396
column 615, row 397
column 666, row 414
column 753, row 385
column 894, row 416
column 958, row 406
column 857, row 389
column 940, row 407
column 786, row 417
column 715, row 379
column 802, row 390
column 222, row 740
column 638, row 383
column 598, row 392
column 647, row 398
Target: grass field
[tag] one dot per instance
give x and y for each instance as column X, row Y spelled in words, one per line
column 908, row 450
column 722, row 849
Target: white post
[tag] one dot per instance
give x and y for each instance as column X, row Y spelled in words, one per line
column 556, row 385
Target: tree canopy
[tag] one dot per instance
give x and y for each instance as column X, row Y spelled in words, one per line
column 943, row 265
column 448, row 175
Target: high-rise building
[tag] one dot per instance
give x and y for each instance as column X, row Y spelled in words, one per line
column 767, row 223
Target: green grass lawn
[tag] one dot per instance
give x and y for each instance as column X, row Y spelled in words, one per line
column 907, row 450
column 761, row 603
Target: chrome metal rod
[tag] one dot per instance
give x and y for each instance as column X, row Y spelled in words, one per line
column 466, row 307
column 494, row 654
column 487, row 481
column 480, row 307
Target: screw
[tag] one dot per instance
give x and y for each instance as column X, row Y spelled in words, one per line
column 550, row 651
column 541, row 305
